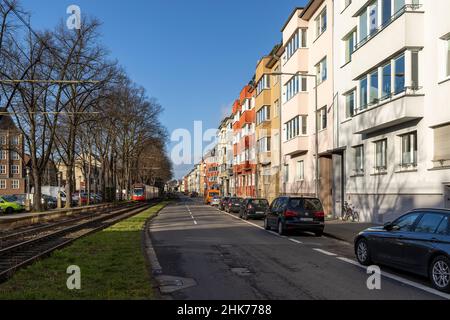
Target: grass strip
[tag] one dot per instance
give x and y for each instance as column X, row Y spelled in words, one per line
column 112, row 267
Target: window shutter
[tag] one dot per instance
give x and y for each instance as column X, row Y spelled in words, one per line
column 442, row 143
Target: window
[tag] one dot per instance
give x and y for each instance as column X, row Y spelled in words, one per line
column 429, row 223
column 386, row 82
column 386, row 11
column 398, row 5
column 277, row 77
column 448, row 58
column 347, row 3
column 14, row 155
column 374, row 87
column 277, row 108
column 350, row 104
column 444, row 227
column 3, row 155
column 298, row 40
column 2, row 169
column 263, row 115
column 400, row 74
column 304, row 38
column 322, row 114
column 359, row 159
column 3, row 184
column 15, row 184
column 321, row 70
column 415, row 69
column 381, row 155
column 15, row 140
column 295, row 127
column 264, row 144
column 406, row 223
column 286, row 173
column 363, row 93
column 300, row 170
column 263, row 84
column 3, row 140
column 373, row 17
column 14, row 169
column 441, row 144
column 409, row 150
column 349, row 41
column 363, row 26
column 294, row 86
column 321, row 23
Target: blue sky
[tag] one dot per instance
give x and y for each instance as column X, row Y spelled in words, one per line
column 193, row 56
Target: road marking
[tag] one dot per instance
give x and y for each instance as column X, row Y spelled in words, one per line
column 296, row 241
column 326, row 252
column 401, row 280
column 237, row 218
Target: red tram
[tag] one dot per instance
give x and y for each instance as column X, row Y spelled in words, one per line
column 144, row 193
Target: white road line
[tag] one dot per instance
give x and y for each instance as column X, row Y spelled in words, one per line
column 237, row 218
column 295, row 241
column 326, row 252
column 401, row 280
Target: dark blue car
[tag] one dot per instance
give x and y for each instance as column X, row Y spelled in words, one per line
column 417, row 242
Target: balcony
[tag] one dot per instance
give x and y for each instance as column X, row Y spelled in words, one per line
column 406, row 27
column 265, row 158
column 387, row 114
column 298, row 61
column 296, row 146
column 247, row 117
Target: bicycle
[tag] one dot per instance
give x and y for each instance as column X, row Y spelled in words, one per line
column 350, row 213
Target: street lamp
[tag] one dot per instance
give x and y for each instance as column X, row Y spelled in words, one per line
column 316, row 80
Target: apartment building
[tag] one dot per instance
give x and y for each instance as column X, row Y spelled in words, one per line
column 211, row 166
column 12, row 167
column 267, row 105
column 392, row 68
column 244, row 146
column 225, row 155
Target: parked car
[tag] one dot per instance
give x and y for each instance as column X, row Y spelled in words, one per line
column 8, row 205
column 234, row 205
column 253, row 208
column 194, row 194
column 20, row 199
column 49, row 202
column 418, row 242
column 223, row 203
column 296, row 213
column 76, row 198
column 215, row 201
column 54, row 192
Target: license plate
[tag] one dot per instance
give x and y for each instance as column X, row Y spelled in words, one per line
column 259, row 212
column 307, row 219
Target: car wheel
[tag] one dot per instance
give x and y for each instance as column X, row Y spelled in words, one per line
column 440, row 273
column 266, row 224
column 9, row 211
column 318, row 234
column 281, row 230
column 363, row 252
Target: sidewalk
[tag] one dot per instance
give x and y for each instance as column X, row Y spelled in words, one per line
column 345, row 231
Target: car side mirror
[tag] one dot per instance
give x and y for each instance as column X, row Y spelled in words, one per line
column 388, row 226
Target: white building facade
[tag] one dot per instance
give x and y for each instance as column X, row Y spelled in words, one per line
column 392, row 82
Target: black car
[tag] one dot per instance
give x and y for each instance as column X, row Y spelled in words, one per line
column 418, row 242
column 223, row 203
column 233, row 205
column 296, row 213
column 253, row 208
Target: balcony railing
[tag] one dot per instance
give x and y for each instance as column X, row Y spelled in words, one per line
column 384, row 99
column 395, row 16
column 441, row 163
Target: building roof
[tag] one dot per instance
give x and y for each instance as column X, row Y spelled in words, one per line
column 310, row 8
column 290, row 17
column 6, row 122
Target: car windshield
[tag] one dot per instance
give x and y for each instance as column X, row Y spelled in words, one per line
column 305, row 203
column 235, row 200
column 260, row 202
column 213, row 194
column 10, row 198
column 139, row 192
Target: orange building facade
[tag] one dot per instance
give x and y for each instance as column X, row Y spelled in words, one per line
column 244, row 144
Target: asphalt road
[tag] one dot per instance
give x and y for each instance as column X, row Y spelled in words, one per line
column 232, row 259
